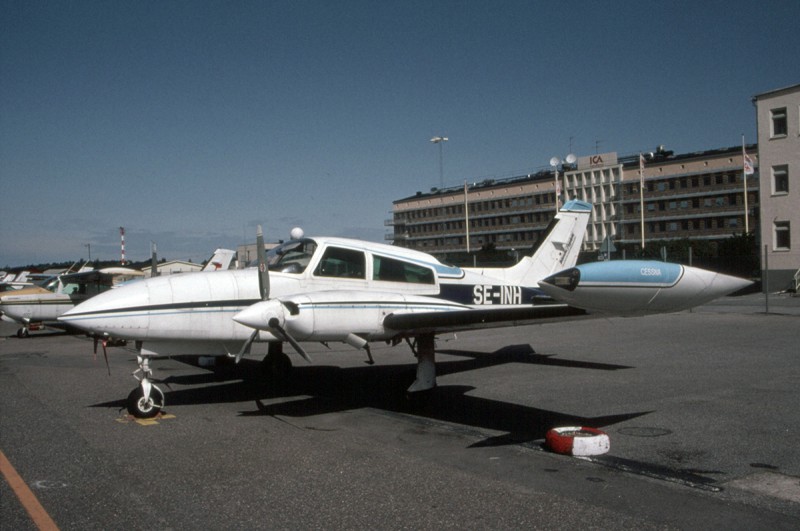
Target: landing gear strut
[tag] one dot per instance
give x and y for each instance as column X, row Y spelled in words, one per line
column 426, row 364
column 146, row 400
column 276, row 365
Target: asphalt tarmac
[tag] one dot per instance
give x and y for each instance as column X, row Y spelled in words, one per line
column 701, row 409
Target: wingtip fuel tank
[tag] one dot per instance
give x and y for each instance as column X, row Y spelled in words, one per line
column 636, row 287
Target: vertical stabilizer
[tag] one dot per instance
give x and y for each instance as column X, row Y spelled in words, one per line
column 220, row 260
column 556, row 250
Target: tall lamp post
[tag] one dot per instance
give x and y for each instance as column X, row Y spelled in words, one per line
column 440, row 140
column 555, row 162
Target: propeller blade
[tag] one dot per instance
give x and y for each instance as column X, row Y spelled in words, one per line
column 105, row 355
column 246, row 347
column 263, row 269
column 275, row 325
column 105, row 352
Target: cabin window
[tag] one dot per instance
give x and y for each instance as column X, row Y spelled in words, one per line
column 341, row 263
column 391, row 270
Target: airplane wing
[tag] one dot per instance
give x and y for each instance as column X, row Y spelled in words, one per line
column 100, row 276
column 455, row 321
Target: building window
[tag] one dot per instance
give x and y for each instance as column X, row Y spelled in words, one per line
column 782, row 236
column 778, row 121
column 780, row 179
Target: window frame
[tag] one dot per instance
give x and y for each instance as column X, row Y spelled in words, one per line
column 780, row 173
column 778, row 116
column 780, row 230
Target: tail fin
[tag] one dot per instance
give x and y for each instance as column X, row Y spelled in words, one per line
column 558, row 247
column 220, row 261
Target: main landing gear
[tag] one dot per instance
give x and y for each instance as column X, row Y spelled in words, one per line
column 146, row 400
column 27, row 328
column 426, row 363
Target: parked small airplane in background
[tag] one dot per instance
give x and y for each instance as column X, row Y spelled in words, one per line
column 332, row 289
column 39, row 306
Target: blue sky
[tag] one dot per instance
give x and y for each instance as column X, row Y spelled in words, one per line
column 190, row 122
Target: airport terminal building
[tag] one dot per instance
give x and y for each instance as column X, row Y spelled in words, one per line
column 658, row 196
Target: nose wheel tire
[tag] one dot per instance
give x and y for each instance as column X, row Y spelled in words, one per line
column 145, row 409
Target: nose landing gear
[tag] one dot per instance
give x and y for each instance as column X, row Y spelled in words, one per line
column 146, row 400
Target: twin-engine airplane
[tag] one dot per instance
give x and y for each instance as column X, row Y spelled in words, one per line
column 334, row 289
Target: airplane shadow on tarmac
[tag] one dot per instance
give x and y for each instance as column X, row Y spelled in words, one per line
column 327, row 389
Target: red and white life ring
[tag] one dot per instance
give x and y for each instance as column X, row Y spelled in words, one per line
column 578, row 441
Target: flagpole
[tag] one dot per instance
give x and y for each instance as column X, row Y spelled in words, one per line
column 641, row 196
column 744, row 176
column 466, row 213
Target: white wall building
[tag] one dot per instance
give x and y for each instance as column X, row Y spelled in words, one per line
column 778, row 119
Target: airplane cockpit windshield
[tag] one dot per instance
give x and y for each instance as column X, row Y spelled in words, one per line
column 292, row 256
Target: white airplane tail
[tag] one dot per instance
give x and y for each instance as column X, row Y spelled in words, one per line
column 557, row 250
column 220, row 261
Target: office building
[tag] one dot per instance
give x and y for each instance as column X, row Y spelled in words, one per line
column 778, row 119
column 697, row 195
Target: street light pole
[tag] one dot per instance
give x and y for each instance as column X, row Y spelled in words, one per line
column 440, row 140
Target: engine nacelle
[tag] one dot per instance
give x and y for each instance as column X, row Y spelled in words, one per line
column 635, row 287
column 336, row 315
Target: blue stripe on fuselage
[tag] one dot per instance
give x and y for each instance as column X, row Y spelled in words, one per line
column 619, row 272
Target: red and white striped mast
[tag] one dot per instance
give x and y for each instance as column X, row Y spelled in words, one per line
column 122, row 244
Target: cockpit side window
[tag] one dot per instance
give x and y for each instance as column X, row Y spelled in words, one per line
column 391, row 270
column 290, row 257
column 341, row 263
